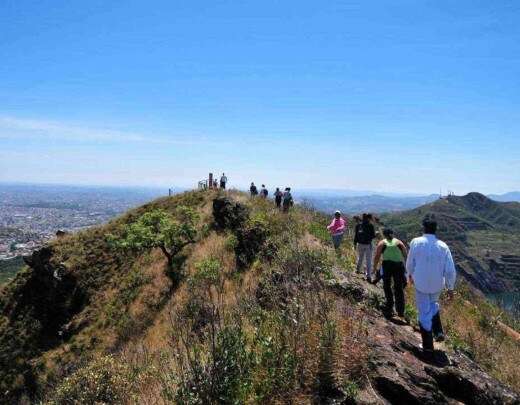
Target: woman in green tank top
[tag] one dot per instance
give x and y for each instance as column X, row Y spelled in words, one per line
column 394, row 253
column 392, row 250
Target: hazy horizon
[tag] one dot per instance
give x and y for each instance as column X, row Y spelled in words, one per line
column 318, row 190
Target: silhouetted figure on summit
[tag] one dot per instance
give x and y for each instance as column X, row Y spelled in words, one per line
column 263, row 192
column 430, row 268
column 223, row 181
column 278, row 197
column 253, row 190
column 287, row 199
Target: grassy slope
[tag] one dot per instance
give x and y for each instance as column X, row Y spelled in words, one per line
column 9, row 268
column 133, row 312
column 109, row 281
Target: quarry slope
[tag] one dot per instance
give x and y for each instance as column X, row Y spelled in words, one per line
column 259, row 306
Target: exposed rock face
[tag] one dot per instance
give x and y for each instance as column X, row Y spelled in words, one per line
column 40, row 302
column 49, row 296
column 398, row 373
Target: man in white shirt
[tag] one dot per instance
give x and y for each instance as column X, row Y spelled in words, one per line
column 430, row 268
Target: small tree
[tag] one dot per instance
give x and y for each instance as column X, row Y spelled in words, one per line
column 159, row 229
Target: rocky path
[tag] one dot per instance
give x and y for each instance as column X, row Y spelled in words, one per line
column 397, row 372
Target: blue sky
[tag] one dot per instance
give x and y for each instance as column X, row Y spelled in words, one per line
column 403, row 96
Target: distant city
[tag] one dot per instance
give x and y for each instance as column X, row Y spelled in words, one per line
column 30, row 215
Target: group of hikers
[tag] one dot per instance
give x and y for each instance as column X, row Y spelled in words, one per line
column 283, row 200
column 427, row 265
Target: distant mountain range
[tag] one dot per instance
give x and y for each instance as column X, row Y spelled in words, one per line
column 512, row 196
column 484, row 236
column 353, row 202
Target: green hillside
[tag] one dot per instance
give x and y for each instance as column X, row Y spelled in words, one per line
column 9, row 268
column 484, row 236
column 253, row 307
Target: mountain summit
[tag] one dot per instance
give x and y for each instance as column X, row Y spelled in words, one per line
column 249, row 305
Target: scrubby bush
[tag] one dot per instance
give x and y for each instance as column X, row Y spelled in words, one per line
column 103, row 381
column 228, row 214
column 251, row 239
column 223, row 377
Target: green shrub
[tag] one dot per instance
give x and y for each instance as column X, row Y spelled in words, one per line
column 104, row 381
column 159, row 229
column 351, row 391
column 410, row 314
column 320, row 231
column 251, row 239
column 223, row 378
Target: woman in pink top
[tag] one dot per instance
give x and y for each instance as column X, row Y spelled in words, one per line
column 337, row 229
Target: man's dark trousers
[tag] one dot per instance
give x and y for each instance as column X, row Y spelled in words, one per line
column 394, row 271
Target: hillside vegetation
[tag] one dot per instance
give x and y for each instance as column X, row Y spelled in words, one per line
column 255, row 307
column 9, row 268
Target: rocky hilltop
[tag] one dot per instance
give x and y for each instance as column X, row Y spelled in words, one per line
column 484, row 236
column 210, row 297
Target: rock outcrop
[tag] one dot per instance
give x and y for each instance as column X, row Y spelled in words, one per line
column 397, row 372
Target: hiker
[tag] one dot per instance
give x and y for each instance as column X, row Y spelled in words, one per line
column 253, row 190
column 223, row 181
column 263, row 192
column 363, row 236
column 278, row 197
column 287, row 199
column 394, row 257
column 430, row 268
column 337, row 229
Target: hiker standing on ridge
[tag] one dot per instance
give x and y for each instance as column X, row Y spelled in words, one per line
column 253, row 190
column 278, row 197
column 394, row 256
column 223, row 181
column 363, row 236
column 263, row 192
column 337, row 229
column 430, row 268
column 287, row 199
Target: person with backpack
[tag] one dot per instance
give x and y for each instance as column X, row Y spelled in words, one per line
column 287, row 199
column 430, row 269
column 223, row 181
column 393, row 270
column 363, row 236
column 337, row 229
column 278, row 197
column 263, row 192
column 253, row 190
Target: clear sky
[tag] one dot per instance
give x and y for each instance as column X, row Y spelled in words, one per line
column 397, row 95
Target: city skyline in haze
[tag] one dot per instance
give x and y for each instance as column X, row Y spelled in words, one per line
column 389, row 96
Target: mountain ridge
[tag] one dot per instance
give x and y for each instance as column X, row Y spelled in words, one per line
column 288, row 320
